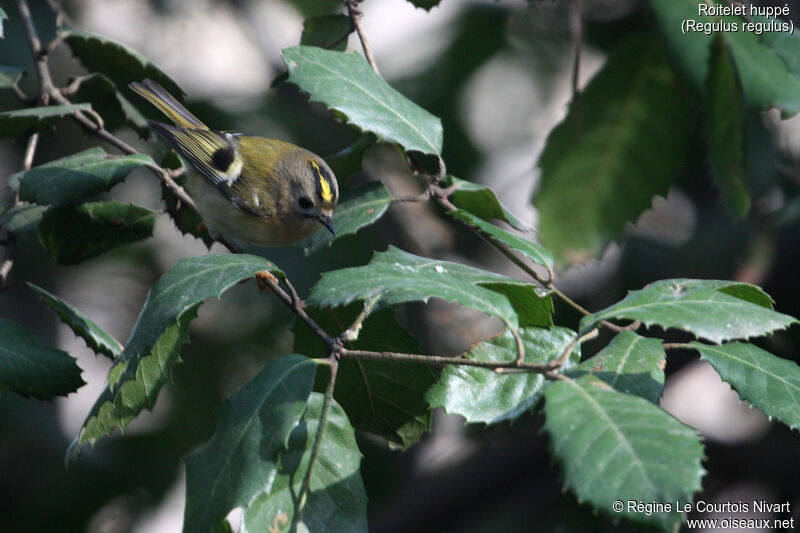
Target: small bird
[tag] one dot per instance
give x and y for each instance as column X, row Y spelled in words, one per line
column 262, row 191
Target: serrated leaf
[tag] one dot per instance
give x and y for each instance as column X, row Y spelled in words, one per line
column 336, row 500
column 386, row 398
column 739, row 289
column 766, row 80
column 620, row 145
column 427, row 5
column 120, row 64
column 76, row 177
column 725, row 123
column 481, row 201
column 36, row 119
column 613, row 446
column 30, row 367
column 766, row 381
column 480, row 395
column 347, row 162
column 359, row 206
column 347, row 84
column 692, row 306
column 152, row 350
column 115, row 109
column 327, row 31
column 96, row 337
column 22, row 217
column 398, row 277
column 241, row 459
column 74, row 233
column 9, row 76
column 495, row 235
column 631, row 364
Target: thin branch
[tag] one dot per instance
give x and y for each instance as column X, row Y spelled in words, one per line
column 351, row 333
column 30, row 152
column 355, row 20
column 678, row 346
column 558, row 363
column 520, row 347
column 576, row 28
column 439, row 360
column 333, row 364
column 46, row 86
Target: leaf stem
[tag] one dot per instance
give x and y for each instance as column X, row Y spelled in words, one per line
column 355, row 21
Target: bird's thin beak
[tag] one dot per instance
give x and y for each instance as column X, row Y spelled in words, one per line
column 326, row 221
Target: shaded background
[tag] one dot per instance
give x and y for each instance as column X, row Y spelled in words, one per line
column 498, row 74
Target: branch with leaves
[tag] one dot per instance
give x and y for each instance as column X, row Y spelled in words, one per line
column 296, row 460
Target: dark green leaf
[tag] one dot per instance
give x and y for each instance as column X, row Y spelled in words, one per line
column 32, row 368
column 96, row 337
column 186, row 219
column 347, row 162
column 115, row 109
column 766, row 80
column 241, row 458
column 766, row 381
column 397, row 277
column 9, row 76
column 497, row 235
column 480, row 395
column 327, row 31
column 74, row 233
column 77, row 177
column 359, row 207
column 155, row 342
column 383, row 397
column 21, row 218
column 621, row 144
column 739, row 289
column 482, row 202
column 119, row 63
column 618, row 447
column 726, row 115
column 336, row 501
column 693, row 306
column 347, row 84
column 785, row 44
column 631, row 364
column 33, row 119
column 427, row 5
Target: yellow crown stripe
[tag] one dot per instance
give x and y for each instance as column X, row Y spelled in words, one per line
column 325, row 187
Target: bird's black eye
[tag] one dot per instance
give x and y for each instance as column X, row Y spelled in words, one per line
column 304, row 202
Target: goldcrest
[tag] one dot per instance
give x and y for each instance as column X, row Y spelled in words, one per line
column 262, row 191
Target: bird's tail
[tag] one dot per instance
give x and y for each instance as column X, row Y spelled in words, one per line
column 159, row 97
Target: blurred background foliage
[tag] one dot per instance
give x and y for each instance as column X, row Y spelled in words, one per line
column 498, row 74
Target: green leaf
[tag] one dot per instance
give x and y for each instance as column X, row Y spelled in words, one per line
column 347, row 162
column 359, row 206
column 481, row 201
column 22, row 217
column 427, row 5
column 96, row 337
column 120, row 64
column 9, row 76
column 622, row 143
column 785, row 44
column 32, row 368
column 766, row 80
column 725, row 123
column 398, row 277
column 36, row 119
column 336, row 500
column 618, row 447
column 500, row 236
column 695, row 307
column 74, row 233
column 152, row 350
column 386, row 398
column 766, row 381
column 115, row 109
column 241, row 459
column 76, row 177
column 480, row 395
column 347, row 84
column 327, row 31
column 631, row 364
column 743, row 291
